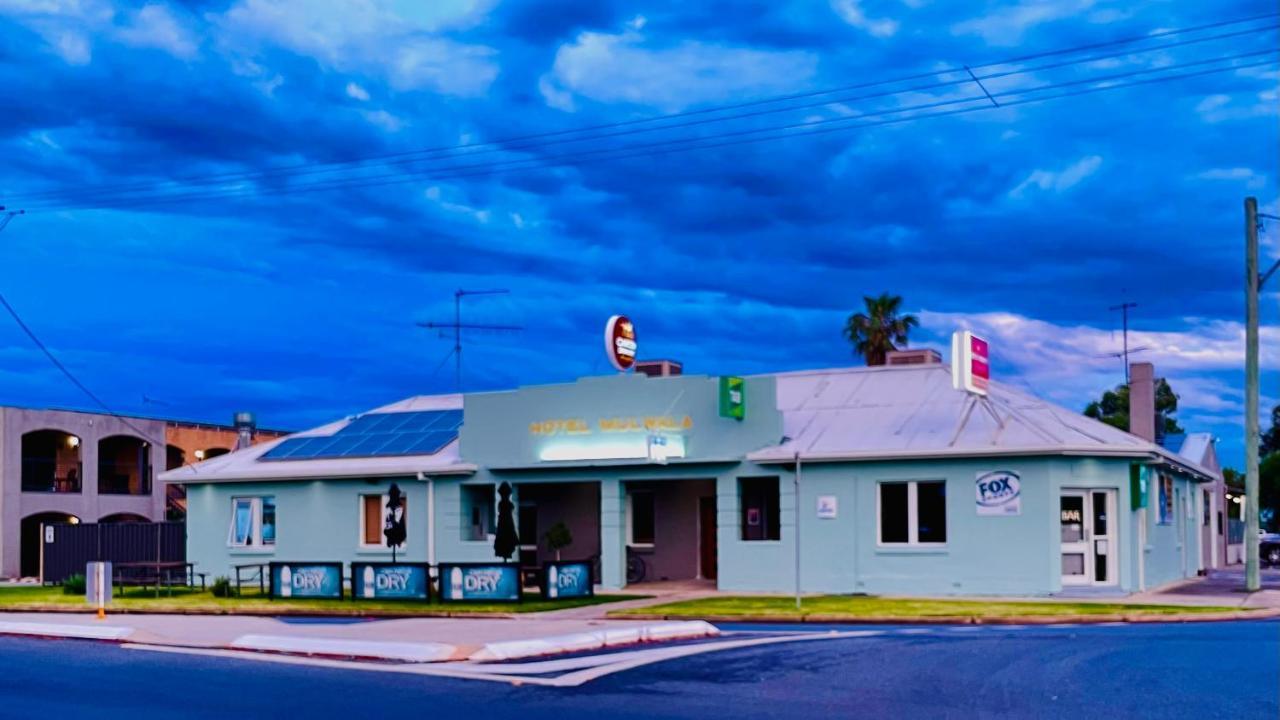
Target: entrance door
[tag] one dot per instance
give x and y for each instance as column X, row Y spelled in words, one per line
column 707, row 538
column 1086, row 518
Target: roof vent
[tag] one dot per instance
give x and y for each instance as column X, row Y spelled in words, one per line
column 659, row 368
column 920, row 356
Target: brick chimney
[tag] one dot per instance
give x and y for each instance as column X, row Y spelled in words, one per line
column 1142, row 400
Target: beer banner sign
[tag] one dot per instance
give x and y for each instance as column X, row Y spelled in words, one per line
column 390, row 581
column 306, row 580
column 567, row 580
column 999, row 493
column 483, row 582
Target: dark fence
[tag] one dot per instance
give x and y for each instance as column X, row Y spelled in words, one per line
column 68, row 547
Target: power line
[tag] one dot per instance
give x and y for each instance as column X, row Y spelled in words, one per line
column 700, row 143
column 501, row 145
column 107, row 192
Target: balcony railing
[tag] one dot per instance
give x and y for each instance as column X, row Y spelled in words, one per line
column 45, row 475
column 123, row 479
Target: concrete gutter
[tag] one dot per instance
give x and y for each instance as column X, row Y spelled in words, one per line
column 1064, row 619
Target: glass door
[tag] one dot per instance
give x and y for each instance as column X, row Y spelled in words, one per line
column 1086, row 519
column 1075, row 548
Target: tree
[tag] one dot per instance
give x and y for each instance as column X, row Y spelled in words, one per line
column 505, row 540
column 558, row 538
column 1271, row 438
column 1113, row 409
column 880, row 329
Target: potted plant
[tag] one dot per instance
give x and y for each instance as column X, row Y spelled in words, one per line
column 558, row 538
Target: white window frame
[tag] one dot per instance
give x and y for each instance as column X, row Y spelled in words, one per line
column 631, row 529
column 1167, row 501
column 383, row 499
column 254, row 540
column 913, row 513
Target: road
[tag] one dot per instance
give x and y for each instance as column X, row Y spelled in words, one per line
column 1205, row 670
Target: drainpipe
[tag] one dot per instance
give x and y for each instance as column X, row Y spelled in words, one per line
column 796, row 484
column 431, row 517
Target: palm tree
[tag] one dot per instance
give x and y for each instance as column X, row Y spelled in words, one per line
column 880, row 329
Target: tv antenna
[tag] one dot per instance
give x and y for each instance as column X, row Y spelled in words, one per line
column 1124, row 354
column 457, row 326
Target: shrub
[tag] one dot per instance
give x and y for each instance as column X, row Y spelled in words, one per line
column 73, row 585
column 221, row 587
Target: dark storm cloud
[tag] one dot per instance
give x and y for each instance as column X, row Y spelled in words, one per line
column 301, row 305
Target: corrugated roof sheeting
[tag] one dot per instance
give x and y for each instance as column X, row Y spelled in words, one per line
column 914, row 411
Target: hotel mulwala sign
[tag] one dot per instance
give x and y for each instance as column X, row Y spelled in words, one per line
column 616, row 424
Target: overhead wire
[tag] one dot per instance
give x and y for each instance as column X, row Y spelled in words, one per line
column 800, row 129
column 504, row 145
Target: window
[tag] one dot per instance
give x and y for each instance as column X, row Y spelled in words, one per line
column 640, row 517
column 373, row 513
column 478, row 511
column 1207, row 501
column 759, row 502
column 253, row 522
column 913, row 513
column 1166, row 500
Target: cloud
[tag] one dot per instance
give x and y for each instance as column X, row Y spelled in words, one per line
column 626, row 67
column 1008, row 24
column 401, row 42
column 356, row 92
column 1061, row 180
column 154, row 26
column 852, row 13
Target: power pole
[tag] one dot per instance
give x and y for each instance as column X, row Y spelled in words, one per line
column 457, row 326
column 1124, row 314
column 1253, row 286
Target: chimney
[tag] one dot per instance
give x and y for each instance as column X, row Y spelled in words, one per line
column 920, row 356
column 1142, row 400
column 245, row 425
column 659, row 368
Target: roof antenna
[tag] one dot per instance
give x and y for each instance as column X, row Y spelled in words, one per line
column 457, row 326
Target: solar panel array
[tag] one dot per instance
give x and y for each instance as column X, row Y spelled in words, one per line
column 377, row 435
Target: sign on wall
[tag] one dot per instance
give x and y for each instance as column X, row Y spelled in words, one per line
column 567, row 580
column 620, row 342
column 733, row 397
column 491, row 582
column 999, row 493
column 390, row 581
column 970, row 363
column 306, row 580
column 828, row 507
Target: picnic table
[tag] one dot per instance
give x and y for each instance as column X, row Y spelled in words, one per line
column 259, row 570
column 158, row 573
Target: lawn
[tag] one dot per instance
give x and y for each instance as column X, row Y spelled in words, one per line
column 838, row 607
column 37, row 598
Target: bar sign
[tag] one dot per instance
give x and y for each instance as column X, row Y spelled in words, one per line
column 733, row 397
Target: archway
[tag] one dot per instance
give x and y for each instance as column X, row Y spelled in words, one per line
column 174, row 457
column 30, row 539
column 124, row 518
column 51, row 462
column 210, row 453
column 124, row 466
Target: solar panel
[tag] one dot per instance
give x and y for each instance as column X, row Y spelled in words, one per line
column 423, row 432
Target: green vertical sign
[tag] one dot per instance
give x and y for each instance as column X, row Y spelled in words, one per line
column 1137, row 487
column 733, row 397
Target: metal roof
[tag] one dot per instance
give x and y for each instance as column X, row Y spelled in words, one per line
column 912, row 411
column 245, row 465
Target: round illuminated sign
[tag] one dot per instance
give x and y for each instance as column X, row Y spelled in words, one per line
column 620, row 342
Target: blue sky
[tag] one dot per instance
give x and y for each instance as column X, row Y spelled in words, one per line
column 1024, row 222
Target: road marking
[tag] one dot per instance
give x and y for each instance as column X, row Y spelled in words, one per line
column 581, row 670
column 401, row 651
column 84, row 632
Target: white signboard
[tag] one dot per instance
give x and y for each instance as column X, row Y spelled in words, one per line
column 970, row 363
column 828, row 507
column 998, row 493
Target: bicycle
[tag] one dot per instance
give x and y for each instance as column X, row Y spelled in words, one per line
column 637, row 568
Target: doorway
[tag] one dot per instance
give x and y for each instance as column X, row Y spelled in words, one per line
column 1086, row 518
column 707, row 552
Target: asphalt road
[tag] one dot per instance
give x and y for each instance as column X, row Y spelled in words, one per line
column 1206, row 670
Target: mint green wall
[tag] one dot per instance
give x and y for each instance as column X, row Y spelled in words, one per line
column 1172, row 550
column 315, row 520
column 983, row 554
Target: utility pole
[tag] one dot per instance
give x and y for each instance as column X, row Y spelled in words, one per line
column 1253, row 286
column 1124, row 314
column 457, row 326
